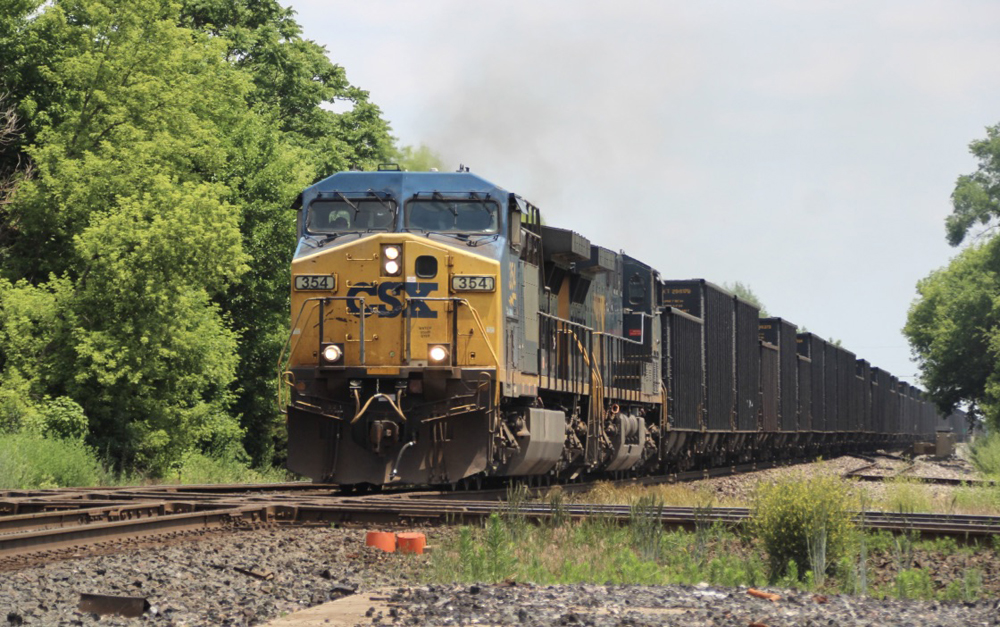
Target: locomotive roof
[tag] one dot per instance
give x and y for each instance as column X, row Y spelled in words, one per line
column 406, row 183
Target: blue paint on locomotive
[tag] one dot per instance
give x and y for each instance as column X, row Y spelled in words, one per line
column 402, row 187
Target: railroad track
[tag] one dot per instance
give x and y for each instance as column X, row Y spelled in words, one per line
column 51, row 524
column 862, row 474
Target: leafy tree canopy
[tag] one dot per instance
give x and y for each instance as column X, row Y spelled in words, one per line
column 954, row 324
column 743, row 291
column 419, row 159
column 954, row 330
column 976, row 199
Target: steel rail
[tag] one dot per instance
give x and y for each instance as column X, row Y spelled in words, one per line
column 80, row 536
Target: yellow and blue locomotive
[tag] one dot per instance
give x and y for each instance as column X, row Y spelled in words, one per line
column 433, row 338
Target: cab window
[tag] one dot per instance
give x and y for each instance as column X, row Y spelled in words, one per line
column 350, row 215
column 474, row 217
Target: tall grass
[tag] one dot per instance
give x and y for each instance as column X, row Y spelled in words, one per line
column 602, row 550
column 985, row 454
column 907, row 495
column 30, row 461
column 595, row 550
column 197, row 468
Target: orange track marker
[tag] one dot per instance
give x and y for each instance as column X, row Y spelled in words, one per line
column 412, row 543
column 385, row 540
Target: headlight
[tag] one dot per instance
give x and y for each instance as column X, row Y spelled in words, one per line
column 437, row 353
column 332, row 353
column 392, row 258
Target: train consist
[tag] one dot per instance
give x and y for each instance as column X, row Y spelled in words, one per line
column 441, row 332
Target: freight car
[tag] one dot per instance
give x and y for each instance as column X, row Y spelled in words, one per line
column 441, row 332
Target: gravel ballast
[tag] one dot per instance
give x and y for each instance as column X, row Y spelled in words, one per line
column 197, row 583
column 663, row 605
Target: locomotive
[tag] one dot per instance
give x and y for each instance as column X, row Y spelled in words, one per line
column 441, row 333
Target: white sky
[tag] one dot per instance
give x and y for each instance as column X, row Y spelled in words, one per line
column 807, row 149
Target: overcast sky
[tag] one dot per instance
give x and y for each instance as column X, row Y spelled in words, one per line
column 807, row 149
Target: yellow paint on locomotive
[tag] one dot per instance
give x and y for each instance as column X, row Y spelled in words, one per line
column 393, row 340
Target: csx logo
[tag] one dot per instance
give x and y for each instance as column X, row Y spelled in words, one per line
column 391, row 297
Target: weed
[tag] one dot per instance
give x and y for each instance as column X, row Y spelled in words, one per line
column 902, row 549
column 512, row 513
column 497, row 554
column 646, row 527
column 914, row 583
column 944, row 544
column 793, row 514
column 702, row 530
column 557, row 506
column 972, row 584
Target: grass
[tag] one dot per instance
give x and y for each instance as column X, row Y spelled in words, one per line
column 906, row 495
column 29, row 461
column 596, row 550
column 670, row 495
column 196, row 468
column 34, row 462
column 985, row 454
column 601, row 550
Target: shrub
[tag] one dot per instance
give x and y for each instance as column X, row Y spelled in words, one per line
column 31, row 461
column 793, row 514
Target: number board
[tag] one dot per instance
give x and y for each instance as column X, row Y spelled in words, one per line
column 324, row 282
column 470, row 283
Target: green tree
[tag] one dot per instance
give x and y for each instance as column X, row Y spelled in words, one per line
column 122, row 237
column 976, row 199
column 954, row 331
column 954, row 323
column 419, row 159
column 743, row 291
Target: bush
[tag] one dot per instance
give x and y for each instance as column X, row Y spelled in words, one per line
column 793, row 515
column 30, row 461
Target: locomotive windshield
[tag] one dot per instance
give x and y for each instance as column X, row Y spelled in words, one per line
column 351, row 215
column 471, row 216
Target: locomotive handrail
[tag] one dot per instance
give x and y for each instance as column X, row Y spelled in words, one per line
column 460, row 301
column 287, row 346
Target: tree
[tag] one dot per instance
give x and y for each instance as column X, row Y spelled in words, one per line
column 419, row 159
column 954, row 323
column 976, row 199
column 954, row 331
column 743, row 291
column 122, row 237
